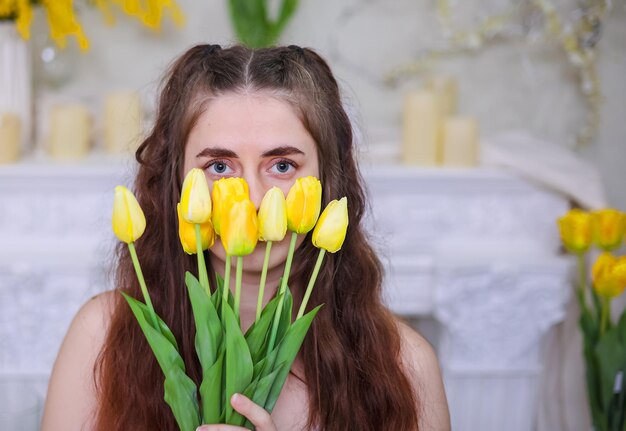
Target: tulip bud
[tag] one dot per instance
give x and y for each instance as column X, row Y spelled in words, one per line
column 273, row 216
column 575, row 229
column 187, row 234
column 607, row 227
column 223, row 189
column 330, row 231
column 608, row 275
column 240, row 231
column 195, row 199
column 128, row 219
column 304, row 202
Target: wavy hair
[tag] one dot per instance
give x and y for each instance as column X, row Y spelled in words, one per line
column 351, row 356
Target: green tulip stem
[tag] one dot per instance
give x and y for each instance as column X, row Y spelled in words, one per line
column 226, row 290
column 605, row 315
column 266, row 260
column 283, row 288
column 238, row 284
column 309, row 288
column 582, row 286
column 142, row 284
column 204, row 278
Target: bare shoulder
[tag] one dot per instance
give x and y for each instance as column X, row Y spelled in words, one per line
column 422, row 366
column 71, row 397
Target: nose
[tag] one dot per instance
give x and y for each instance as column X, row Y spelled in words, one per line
column 257, row 189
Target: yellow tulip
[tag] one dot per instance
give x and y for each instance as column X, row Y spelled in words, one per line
column 304, row 202
column 187, row 234
column 575, row 229
column 222, row 190
column 128, row 219
column 273, row 216
column 330, row 231
column 195, row 199
column 609, row 275
column 607, row 227
column 240, row 231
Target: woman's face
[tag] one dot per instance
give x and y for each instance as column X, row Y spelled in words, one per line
column 256, row 137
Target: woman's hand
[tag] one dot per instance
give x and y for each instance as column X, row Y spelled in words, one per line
column 259, row 417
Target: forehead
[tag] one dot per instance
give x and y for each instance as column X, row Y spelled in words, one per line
column 249, row 121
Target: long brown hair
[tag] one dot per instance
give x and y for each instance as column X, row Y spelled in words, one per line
column 351, row 356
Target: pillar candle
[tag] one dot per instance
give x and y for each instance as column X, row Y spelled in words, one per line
column 460, row 141
column 445, row 88
column 10, row 135
column 70, row 127
column 123, row 117
column 421, row 126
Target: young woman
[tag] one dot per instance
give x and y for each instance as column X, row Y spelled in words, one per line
column 269, row 116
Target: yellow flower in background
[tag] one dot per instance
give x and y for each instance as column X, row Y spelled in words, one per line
column 609, row 275
column 575, row 229
column 240, row 231
column 304, row 202
column 128, row 219
column 273, row 216
column 187, row 234
column 222, row 190
column 607, row 227
column 63, row 21
column 195, row 198
column 330, row 231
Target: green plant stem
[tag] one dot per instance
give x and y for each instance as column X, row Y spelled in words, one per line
column 266, row 260
column 142, row 284
column 238, row 284
column 309, row 288
column 226, row 283
column 582, row 282
column 605, row 314
column 283, row 288
column 202, row 274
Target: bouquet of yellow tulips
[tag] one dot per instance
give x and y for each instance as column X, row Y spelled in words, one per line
column 604, row 341
column 256, row 363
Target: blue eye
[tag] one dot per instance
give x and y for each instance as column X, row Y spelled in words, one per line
column 283, row 167
column 218, row 168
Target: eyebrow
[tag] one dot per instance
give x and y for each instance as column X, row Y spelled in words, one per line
column 284, row 150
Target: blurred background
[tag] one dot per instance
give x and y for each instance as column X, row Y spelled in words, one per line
column 478, row 124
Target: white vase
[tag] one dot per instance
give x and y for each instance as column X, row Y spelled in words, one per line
column 16, row 79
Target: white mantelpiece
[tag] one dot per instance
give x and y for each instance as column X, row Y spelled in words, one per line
column 476, row 249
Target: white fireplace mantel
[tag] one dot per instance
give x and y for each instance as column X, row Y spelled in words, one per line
column 477, row 249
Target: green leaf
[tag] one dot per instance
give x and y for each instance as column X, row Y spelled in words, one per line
column 216, row 298
column 180, row 390
column 181, row 396
column 208, row 326
column 285, row 316
column 287, row 352
column 257, row 335
column 211, row 392
column 259, row 389
column 277, row 27
column 239, row 368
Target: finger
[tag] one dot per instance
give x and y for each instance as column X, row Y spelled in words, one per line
column 256, row 414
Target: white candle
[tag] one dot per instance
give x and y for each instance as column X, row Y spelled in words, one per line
column 70, row 127
column 445, row 88
column 10, row 135
column 460, row 141
column 421, row 127
column 123, row 117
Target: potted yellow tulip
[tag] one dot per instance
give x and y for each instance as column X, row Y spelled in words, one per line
column 255, row 363
column 604, row 340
